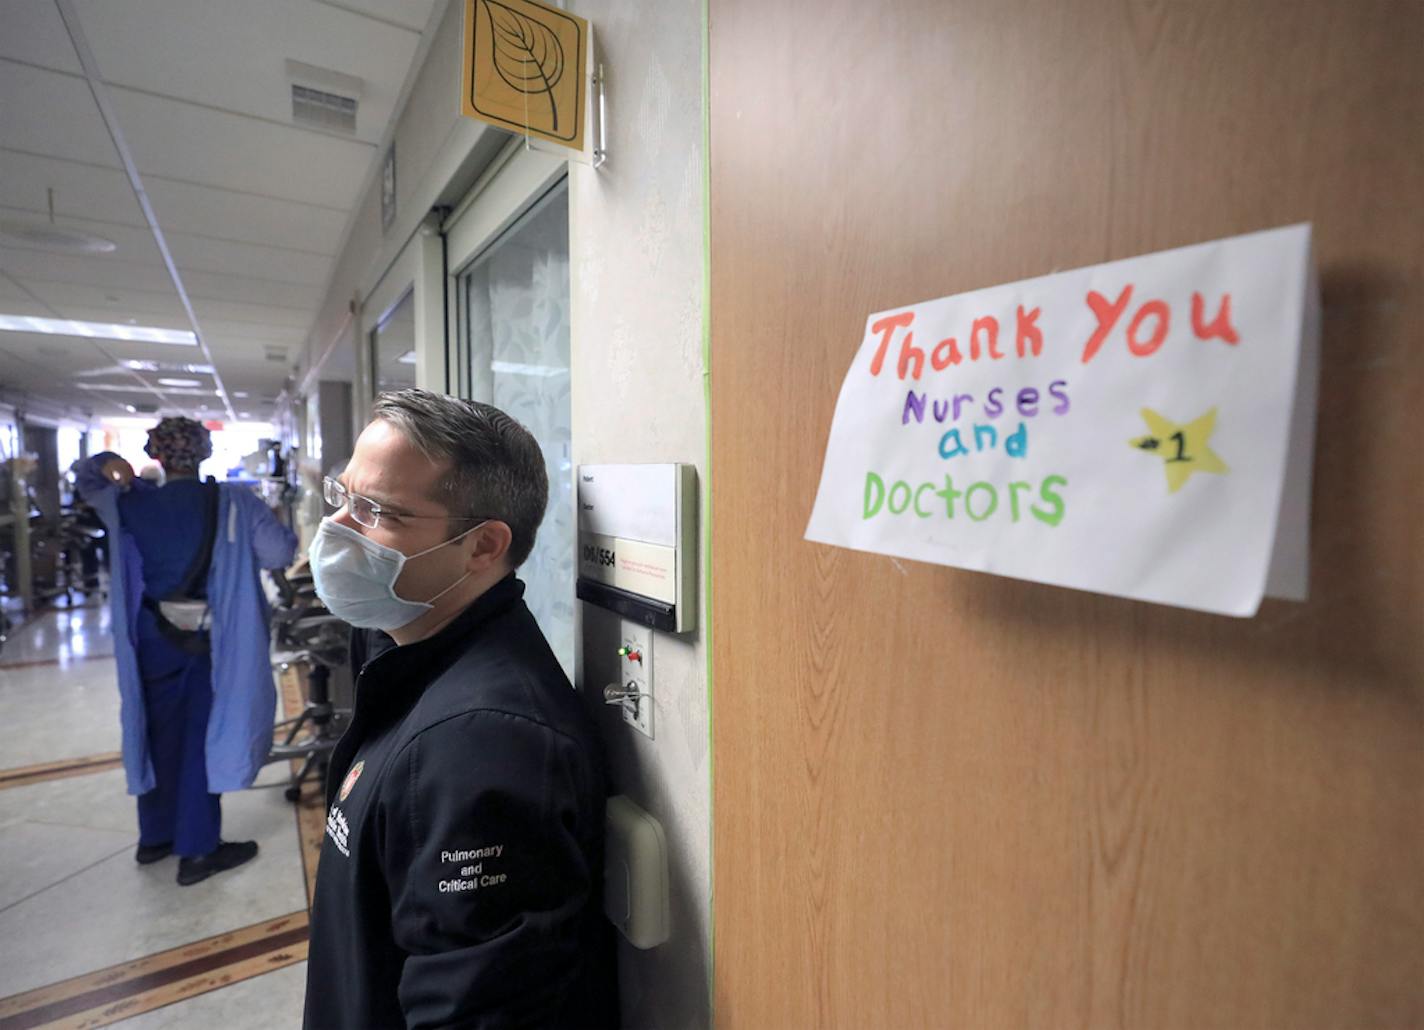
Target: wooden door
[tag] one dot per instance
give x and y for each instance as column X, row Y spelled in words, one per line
column 948, row 799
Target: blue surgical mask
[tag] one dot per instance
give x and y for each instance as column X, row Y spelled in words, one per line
column 355, row 577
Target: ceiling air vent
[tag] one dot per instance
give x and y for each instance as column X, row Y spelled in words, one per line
column 275, row 353
column 323, row 110
column 322, row 98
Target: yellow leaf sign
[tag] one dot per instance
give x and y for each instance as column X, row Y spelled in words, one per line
column 524, row 68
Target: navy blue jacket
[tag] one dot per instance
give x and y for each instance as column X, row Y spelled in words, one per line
column 461, row 876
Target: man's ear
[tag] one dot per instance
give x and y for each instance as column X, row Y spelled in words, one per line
column 492, row 542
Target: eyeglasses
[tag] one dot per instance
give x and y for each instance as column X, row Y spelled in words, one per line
column 366, row 512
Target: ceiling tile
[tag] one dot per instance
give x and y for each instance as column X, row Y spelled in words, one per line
column 104, row 195
column 194, row 254
column 11, row 294
column 65, row 356
column 240, row 334
column 185, row 207
column 35, row 33
column 197, row 145
column 156, row 320
column 80, row 190
column 233, row 56
column 27, row 307
column 252, row 314
column 79, row 300
column 135, row 243
column 269, row 293
column 70, row 126
column 101, row 271
column 413, row 14
column 203, row 254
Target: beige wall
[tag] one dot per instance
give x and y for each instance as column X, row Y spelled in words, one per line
column 637, row 274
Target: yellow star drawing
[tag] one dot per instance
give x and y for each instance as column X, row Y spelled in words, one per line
column 1183, row 449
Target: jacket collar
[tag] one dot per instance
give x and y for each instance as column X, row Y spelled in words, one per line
column 403, row 673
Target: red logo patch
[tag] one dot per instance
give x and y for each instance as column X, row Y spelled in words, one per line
column 350, row 781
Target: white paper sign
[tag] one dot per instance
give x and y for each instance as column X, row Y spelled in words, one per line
column 1130, row 428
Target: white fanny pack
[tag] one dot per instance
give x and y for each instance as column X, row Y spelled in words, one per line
column 189, row 616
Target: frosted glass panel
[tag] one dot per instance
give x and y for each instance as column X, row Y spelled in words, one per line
column 393, row 347
column 516, row 310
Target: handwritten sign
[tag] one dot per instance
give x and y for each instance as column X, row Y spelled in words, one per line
column 1129, row 428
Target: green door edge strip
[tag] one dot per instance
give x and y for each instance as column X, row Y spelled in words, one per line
column 706, row 27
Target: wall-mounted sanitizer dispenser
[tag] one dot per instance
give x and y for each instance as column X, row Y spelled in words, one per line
column 638, row 542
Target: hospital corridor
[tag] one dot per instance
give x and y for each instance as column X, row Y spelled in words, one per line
column 91, row 937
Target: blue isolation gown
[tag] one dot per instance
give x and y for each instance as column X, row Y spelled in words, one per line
column 194, row 726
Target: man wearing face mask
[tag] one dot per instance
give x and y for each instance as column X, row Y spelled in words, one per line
column 461, row 876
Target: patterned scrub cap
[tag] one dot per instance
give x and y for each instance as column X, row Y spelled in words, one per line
column 179, row 442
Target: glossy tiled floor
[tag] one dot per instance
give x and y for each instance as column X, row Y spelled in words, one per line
column 72, row 899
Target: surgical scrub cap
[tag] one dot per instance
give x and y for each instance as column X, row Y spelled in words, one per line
column 179, row 442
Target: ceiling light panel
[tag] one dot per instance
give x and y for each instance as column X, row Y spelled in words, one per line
column 96, row 330
column 167, row 366
column 180, row 391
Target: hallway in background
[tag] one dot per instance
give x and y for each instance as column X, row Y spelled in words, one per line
column 88, row 936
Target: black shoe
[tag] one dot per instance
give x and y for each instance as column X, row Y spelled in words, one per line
column 227, row 855
column 150, row 853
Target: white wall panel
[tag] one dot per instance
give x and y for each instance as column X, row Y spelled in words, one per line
column 637, row 262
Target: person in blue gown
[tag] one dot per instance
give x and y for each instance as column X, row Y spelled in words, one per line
column 197, row 704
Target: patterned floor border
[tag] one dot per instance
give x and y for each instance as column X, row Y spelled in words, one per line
column 62, row 769
column 130, row 988
column 120, row 992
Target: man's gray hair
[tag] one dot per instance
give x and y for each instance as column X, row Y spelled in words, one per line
column 496, row 466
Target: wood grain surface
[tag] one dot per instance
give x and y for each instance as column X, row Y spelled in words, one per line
column 949, row 799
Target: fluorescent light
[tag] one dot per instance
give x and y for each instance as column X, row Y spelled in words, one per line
column 97, row 330
column 166, row 366
column 177, row 391
column 180, row 382
column 408, row 358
